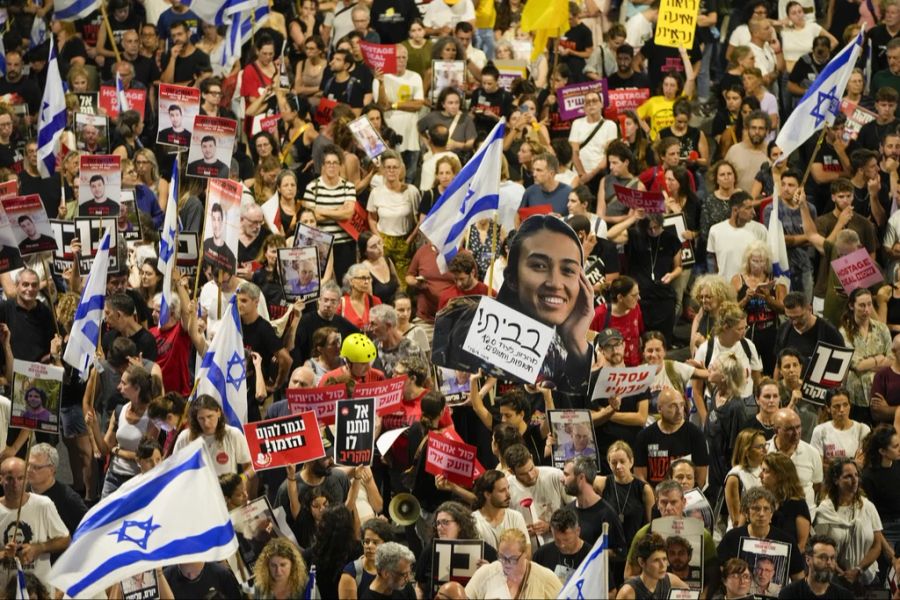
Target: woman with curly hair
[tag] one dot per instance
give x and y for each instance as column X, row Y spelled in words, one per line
column 280, row 571
column 452, row 521
column 225, row 442
column 710, row 291
column 358, row 574
column 336, row 544
column 779, row 476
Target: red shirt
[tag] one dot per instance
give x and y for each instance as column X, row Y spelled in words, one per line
column 372, row 375
column 424, row 263
column 359, row 321
column 480, row 289
column 173, row 349
column 630, row 325
column 412, row 412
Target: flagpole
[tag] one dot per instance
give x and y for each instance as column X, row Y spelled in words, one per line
column 49, row 295
column 22, row 494
column 812, row 158
column 200, row 250
column 109, row 32
column 495, row 233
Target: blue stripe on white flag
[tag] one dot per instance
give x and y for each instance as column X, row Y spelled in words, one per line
column 71, row 10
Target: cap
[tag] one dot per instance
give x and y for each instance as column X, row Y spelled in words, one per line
column 608, row 336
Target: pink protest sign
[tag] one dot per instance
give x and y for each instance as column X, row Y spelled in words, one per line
column 856, row 270
column 651, row 202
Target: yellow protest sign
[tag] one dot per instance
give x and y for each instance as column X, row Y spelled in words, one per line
column 677, row 23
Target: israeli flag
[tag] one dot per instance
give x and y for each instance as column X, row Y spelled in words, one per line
column 240, row 29
column 222, row 373
column 822, row 101
column 172, row 514
column 120, row 95
column 781, row 268
column 218, row 12
column 168, row 247
column 21, row 586
column 591, row 578
column 52, row 118
column 473, row 194
column 38, row 32
column 72, row 10
column 86, row 326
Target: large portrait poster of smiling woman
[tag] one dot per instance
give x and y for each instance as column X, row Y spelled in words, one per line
column 540, row 330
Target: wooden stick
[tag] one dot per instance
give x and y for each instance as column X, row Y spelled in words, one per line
column 812, row 158
column 109, row 32
column 24, row 483
column 494, row 235
column 50, row 296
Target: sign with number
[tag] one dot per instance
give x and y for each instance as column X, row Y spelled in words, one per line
column 454, row 560
column 508, row 339
column 623, row 381
column 677, row 223
column 827, row 369
column 354, row 435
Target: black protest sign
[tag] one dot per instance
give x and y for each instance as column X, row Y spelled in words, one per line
column 827, row 369
column 188, row 253
column 454, row 560
column 354, row 436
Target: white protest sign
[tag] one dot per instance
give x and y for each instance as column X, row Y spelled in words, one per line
column 508, row 339
column 623, row 381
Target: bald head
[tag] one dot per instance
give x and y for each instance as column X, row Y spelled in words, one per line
column 671, row 406
column 12, row 463
column 302, row 377
column 452, row 590
column 785, row 417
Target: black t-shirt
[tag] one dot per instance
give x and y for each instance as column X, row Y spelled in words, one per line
column 563, row 565
column 800, row 590
column 805, row 343
column 30, row 330
column 636, row 80
column 215, row 581
column 578, row 38
column 406, row 593
column 249, row 253
column 145, row 70
column 143, row 339
column 308, row 325
column 187, row 68
column 69, row 504
column 349, row 92
column 882, row 487
column 497, row 103
column 140, row 306
column 805, row 71
column 27, row 89
column 729, row 547
column 260, row 337
column 656, row 450
column 591, row 520
column 785, row 518
column 872, row 133
column 879, row 37
column 609, row 432
column 392, row 18
column 661, row 59
column 48, row 189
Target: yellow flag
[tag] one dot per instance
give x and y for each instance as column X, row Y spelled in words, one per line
column 547, row 19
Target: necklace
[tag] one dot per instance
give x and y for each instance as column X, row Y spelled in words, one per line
column 619, row 506
column 653, row 257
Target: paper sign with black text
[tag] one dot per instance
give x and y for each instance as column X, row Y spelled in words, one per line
column 37, row 390
column 63, row 232
column 388, row 394
column 827, row 369
column 88, row 103
column 678, row 225
column 222, row 225
column 454, row 460
column 676, row 23
column 354, row 434
column 178, row 105
column 284, row 441
column 89, row 231
column 99, row 185
column 454, row 560
column 212, row 141
column 623, row 381
column 856, row 270
column 188, row 252
column 142, row 586
column 508, row 339
column 320, row 400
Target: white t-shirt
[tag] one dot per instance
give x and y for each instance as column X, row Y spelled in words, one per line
column 427, row 172
column 809, row 469
column 438, row 14
column 5, row 416
column 728, row 244
column 638, row 30
column 892, row 232
column 209, row 302
column 833, row 443
column 750, row 363
column 809, row 11
column 797, row 42
column 765, row 58
column 548, row 493
column 401, row 88
column 227, row 454
column 397, row 211
column 684, row 370
column 740, row 36
column 490, row 582
column 512, row 519
column 40, row 522
column 594, row 151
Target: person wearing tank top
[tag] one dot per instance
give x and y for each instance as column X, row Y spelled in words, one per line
column 653, row 582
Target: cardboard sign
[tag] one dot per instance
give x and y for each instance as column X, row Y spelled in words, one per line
column 284, row 441
column 778, row 554
column 685, row 530
column 827, row 369
column 677, row 223
column 129, row 221
column 178, row 105
column 305, row 236
column 573, row 433
column 380, row 56
column 623, row 381
column 857, row 116
column 142, row 586
column 222, row 225
column 676, row 23
column 321, row 400
column 510, row 70
column 267, row 123
column 109, row 100
column 91, row 133
column 211, row 147
column 508, row 339
column 254, row 525
column 388, row 394
column 620, row 100
column 356, row 224
column 367, row 138
column 299, row 272
column 354, row 435
column 88, row 103
column 29, row 224
column 37, row 391
column 454, row 560
column 188, row 252
column 90, row 230
column 651, row 202
column 454, row 460
column 856, row 270
column 570, row 98
column 99, row 185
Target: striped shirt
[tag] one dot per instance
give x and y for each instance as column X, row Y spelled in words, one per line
column 318, row 193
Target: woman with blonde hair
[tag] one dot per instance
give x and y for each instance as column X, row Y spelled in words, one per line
column 779, row 476
column 630, row 497
column 746, row 465
column 263, row 185
column 393, row 210
column 280, row 571
column 709, row 292
column 727, row 415
column 761, row 296
column 514, row 574
column 148, row 173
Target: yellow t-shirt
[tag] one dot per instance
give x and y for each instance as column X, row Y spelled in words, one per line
column 485, row 14
column 658, row 111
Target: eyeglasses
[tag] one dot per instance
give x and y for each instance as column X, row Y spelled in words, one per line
column 761, row 509
column 331, row 163
column 440, row 522
column 742, row 576
column 509, row 560
column 214, row 92
column 34, row 467
column 364, row 278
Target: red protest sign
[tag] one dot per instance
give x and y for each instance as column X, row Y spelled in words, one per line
column 454, row 460
column 540, row 209
column 284, row 441
column 450, row 433
column 388, row 394
column 380, row 56
column 321, row 401
column 856, row 270
column 109, row 101
column 356, row 224
column 651, row 202
column 620, row 100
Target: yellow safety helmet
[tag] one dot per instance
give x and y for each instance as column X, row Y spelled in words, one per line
column 357, row 348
